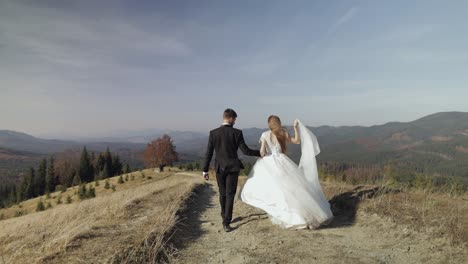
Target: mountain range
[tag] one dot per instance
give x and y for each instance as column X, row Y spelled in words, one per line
column 436, row 143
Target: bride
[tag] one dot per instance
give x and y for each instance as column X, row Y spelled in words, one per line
column 289, row 193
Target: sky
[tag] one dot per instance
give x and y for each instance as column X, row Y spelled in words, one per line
column 95, row 68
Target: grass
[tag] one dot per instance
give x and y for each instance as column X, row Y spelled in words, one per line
column 125, row 226
column 437, row 214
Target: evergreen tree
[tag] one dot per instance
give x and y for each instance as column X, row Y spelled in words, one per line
column 20, row 191
column 40, row 179
column 107, row 184
column 69, row 199
column 85, row 170
column 82, row 192
column 91, row 192
column 40, row 206
column 50, row 177
column 76, row 179
column 101, row 161
column 107, row 163
column 120, row 181
column 126, row 168
column 106, row 171
column 116, row 165
column 29, row 184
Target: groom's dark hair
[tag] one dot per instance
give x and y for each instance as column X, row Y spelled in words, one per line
column 229, row 113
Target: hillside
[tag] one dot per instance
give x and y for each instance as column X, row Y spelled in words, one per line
column 174, row 217
column 128, row 225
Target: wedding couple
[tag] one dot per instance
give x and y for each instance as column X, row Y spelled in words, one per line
column 289, row 193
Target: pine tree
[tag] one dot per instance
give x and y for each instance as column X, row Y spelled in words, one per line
column 76, row 179
column 107, row 163
column 85, row 170
column 106, row 171
column 29, row 184
column 91, row 192
column 120, row 181
column 107, row 184
column 126, row 168
column 39, row 180
column 51, row 179
column 116, row 165
column 40, row 206
column 82, row 192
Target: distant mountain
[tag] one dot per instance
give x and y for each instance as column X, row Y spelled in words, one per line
column 436, row 143
column 13, row 163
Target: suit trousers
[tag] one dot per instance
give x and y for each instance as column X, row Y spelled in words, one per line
column 227, row 183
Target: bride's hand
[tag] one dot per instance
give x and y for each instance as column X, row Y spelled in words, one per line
column 296, row 123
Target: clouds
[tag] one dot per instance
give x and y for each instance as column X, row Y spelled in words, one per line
column 345, row 18
column 66, row 64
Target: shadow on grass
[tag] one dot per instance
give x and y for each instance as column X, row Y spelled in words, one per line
column 189, row 227
column 345, row 205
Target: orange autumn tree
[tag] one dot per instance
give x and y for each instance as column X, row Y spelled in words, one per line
column 160, row 153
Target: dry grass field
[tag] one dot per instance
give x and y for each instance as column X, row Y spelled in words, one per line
column 143, row 221
column 436, row 214
column 128, row 225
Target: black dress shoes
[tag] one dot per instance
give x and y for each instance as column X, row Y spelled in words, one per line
column 227, row 228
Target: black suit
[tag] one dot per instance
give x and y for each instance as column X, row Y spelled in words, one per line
column 226, row 140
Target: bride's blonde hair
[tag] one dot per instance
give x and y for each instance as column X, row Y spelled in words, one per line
column 274, row 123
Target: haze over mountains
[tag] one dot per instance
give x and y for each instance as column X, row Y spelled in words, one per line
column 438, row 142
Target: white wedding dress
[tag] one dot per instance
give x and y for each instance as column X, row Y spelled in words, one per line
column 289, row 193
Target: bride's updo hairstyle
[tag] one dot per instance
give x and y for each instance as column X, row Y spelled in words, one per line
column 274, row 122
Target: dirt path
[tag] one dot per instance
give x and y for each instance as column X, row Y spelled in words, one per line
column 348, row 239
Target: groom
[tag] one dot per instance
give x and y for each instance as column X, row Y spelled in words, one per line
column 226, row 140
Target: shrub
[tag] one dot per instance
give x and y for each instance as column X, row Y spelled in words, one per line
column 132, row 177
column 91, row 193
column 96, row 183
column 59, row 199
column 40, row 206
column 48, row 205
column 121, row 180
column 113, row 187
column 19, row 213
column 69, row 199
column 82, row 191
column 107, row 185
column 126, row 177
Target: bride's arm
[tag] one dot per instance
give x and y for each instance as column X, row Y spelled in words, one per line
column 262, row 148
column 297, row 138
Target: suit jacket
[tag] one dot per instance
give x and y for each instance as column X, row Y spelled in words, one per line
column 226, row 140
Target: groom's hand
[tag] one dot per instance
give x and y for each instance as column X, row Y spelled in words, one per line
column 206, row 175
